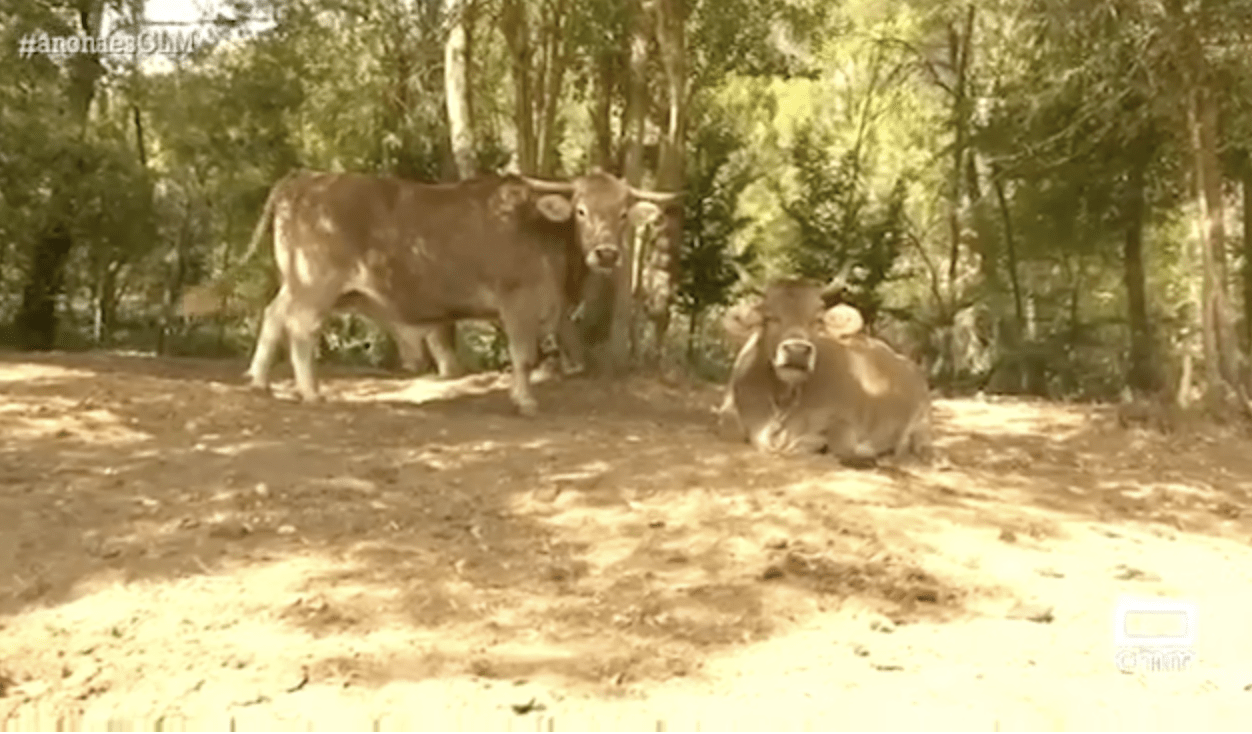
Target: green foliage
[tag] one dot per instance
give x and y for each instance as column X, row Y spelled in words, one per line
column 840, row 228
column 718, row 171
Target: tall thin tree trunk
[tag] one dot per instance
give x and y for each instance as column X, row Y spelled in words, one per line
column 622, row 334
column 601, row 113
column 456, row 73
column 693, row 331
column 959, row 51
column 517, row 38
column 661, row 265
column 1010, row 251
column 554, row 76
column 1247, row 256
column 1221, row 352
column 1143, row 377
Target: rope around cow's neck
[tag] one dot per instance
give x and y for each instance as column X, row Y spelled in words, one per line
column 776, row 439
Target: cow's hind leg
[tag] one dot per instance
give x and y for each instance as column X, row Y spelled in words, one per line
column 303, row 324
column 273, row 329
column 522, row 331
column 441, row 340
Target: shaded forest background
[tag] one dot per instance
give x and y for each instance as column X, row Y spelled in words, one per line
column 1043, row 197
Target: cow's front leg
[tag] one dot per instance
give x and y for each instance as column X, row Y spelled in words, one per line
column 570, row 343
column 522, row 330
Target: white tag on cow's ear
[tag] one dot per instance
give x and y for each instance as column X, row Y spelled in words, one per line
column 742, row 319
column 555, row 207
column 643, row 212
column 842, row 320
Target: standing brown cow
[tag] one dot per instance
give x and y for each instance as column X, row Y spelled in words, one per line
column 412, row 255
column 808, row 380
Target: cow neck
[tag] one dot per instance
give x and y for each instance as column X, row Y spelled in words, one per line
column 784, row 398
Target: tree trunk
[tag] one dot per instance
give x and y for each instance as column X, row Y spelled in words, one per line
column 1222, row 356
column 693, row 331
column 1010, row 250
column 139, row 143
column 1247, row 256
column 661, row 266
column 959, row 51
column 104, row 307
column 556, row 61
column 36, row 319
column 517, row 38
column 456, row 74
column 1142, row 376
column 602, row 111
column 621, row 340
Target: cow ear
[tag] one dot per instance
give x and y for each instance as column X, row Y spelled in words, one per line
column 842, row 320
column 555, row 207
column 743, row 318
column 643, row 212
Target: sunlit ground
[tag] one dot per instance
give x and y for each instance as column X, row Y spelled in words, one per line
column 177, row 551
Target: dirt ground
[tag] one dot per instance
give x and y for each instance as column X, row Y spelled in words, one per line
column 176, row 552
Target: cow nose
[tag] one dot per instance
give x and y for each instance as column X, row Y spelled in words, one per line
column 605, row 255
column 796, row 353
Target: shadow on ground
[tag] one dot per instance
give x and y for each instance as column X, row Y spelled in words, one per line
column 410, row 528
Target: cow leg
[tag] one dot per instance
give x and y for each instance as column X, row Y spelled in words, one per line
column 273, row 329
column 919, row 441
column 303, row 325
column 728, row 425
column 441, row 340
column 843, row 441
column 438, row 338
column 570, row 343
column 522, row 330
column 409, row 343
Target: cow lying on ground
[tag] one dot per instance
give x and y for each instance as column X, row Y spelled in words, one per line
column 412, row 255
column 808, row 380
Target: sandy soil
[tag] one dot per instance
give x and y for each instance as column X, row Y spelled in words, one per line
column 176, row 552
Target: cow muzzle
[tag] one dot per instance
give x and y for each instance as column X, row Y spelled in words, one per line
column 603, row 258
column 795, row 359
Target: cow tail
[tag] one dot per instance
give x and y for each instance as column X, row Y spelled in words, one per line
column 211, row 297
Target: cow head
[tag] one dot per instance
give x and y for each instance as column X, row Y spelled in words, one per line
column 788, row 317
column 601, row 205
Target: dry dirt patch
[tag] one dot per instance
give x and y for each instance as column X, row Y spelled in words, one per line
column 172, row 545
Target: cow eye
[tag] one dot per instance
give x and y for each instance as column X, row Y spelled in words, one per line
column 582, row 211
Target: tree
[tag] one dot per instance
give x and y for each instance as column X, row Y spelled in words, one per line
column 36, row 321
column 709, row 268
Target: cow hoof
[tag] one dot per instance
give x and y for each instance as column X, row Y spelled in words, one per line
column 528, row 409
column 312, row 399
column 259, row 389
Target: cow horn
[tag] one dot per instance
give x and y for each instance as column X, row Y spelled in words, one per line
column 656, row 197
column 549, row 187
column 837, row 284
column 832, row 289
